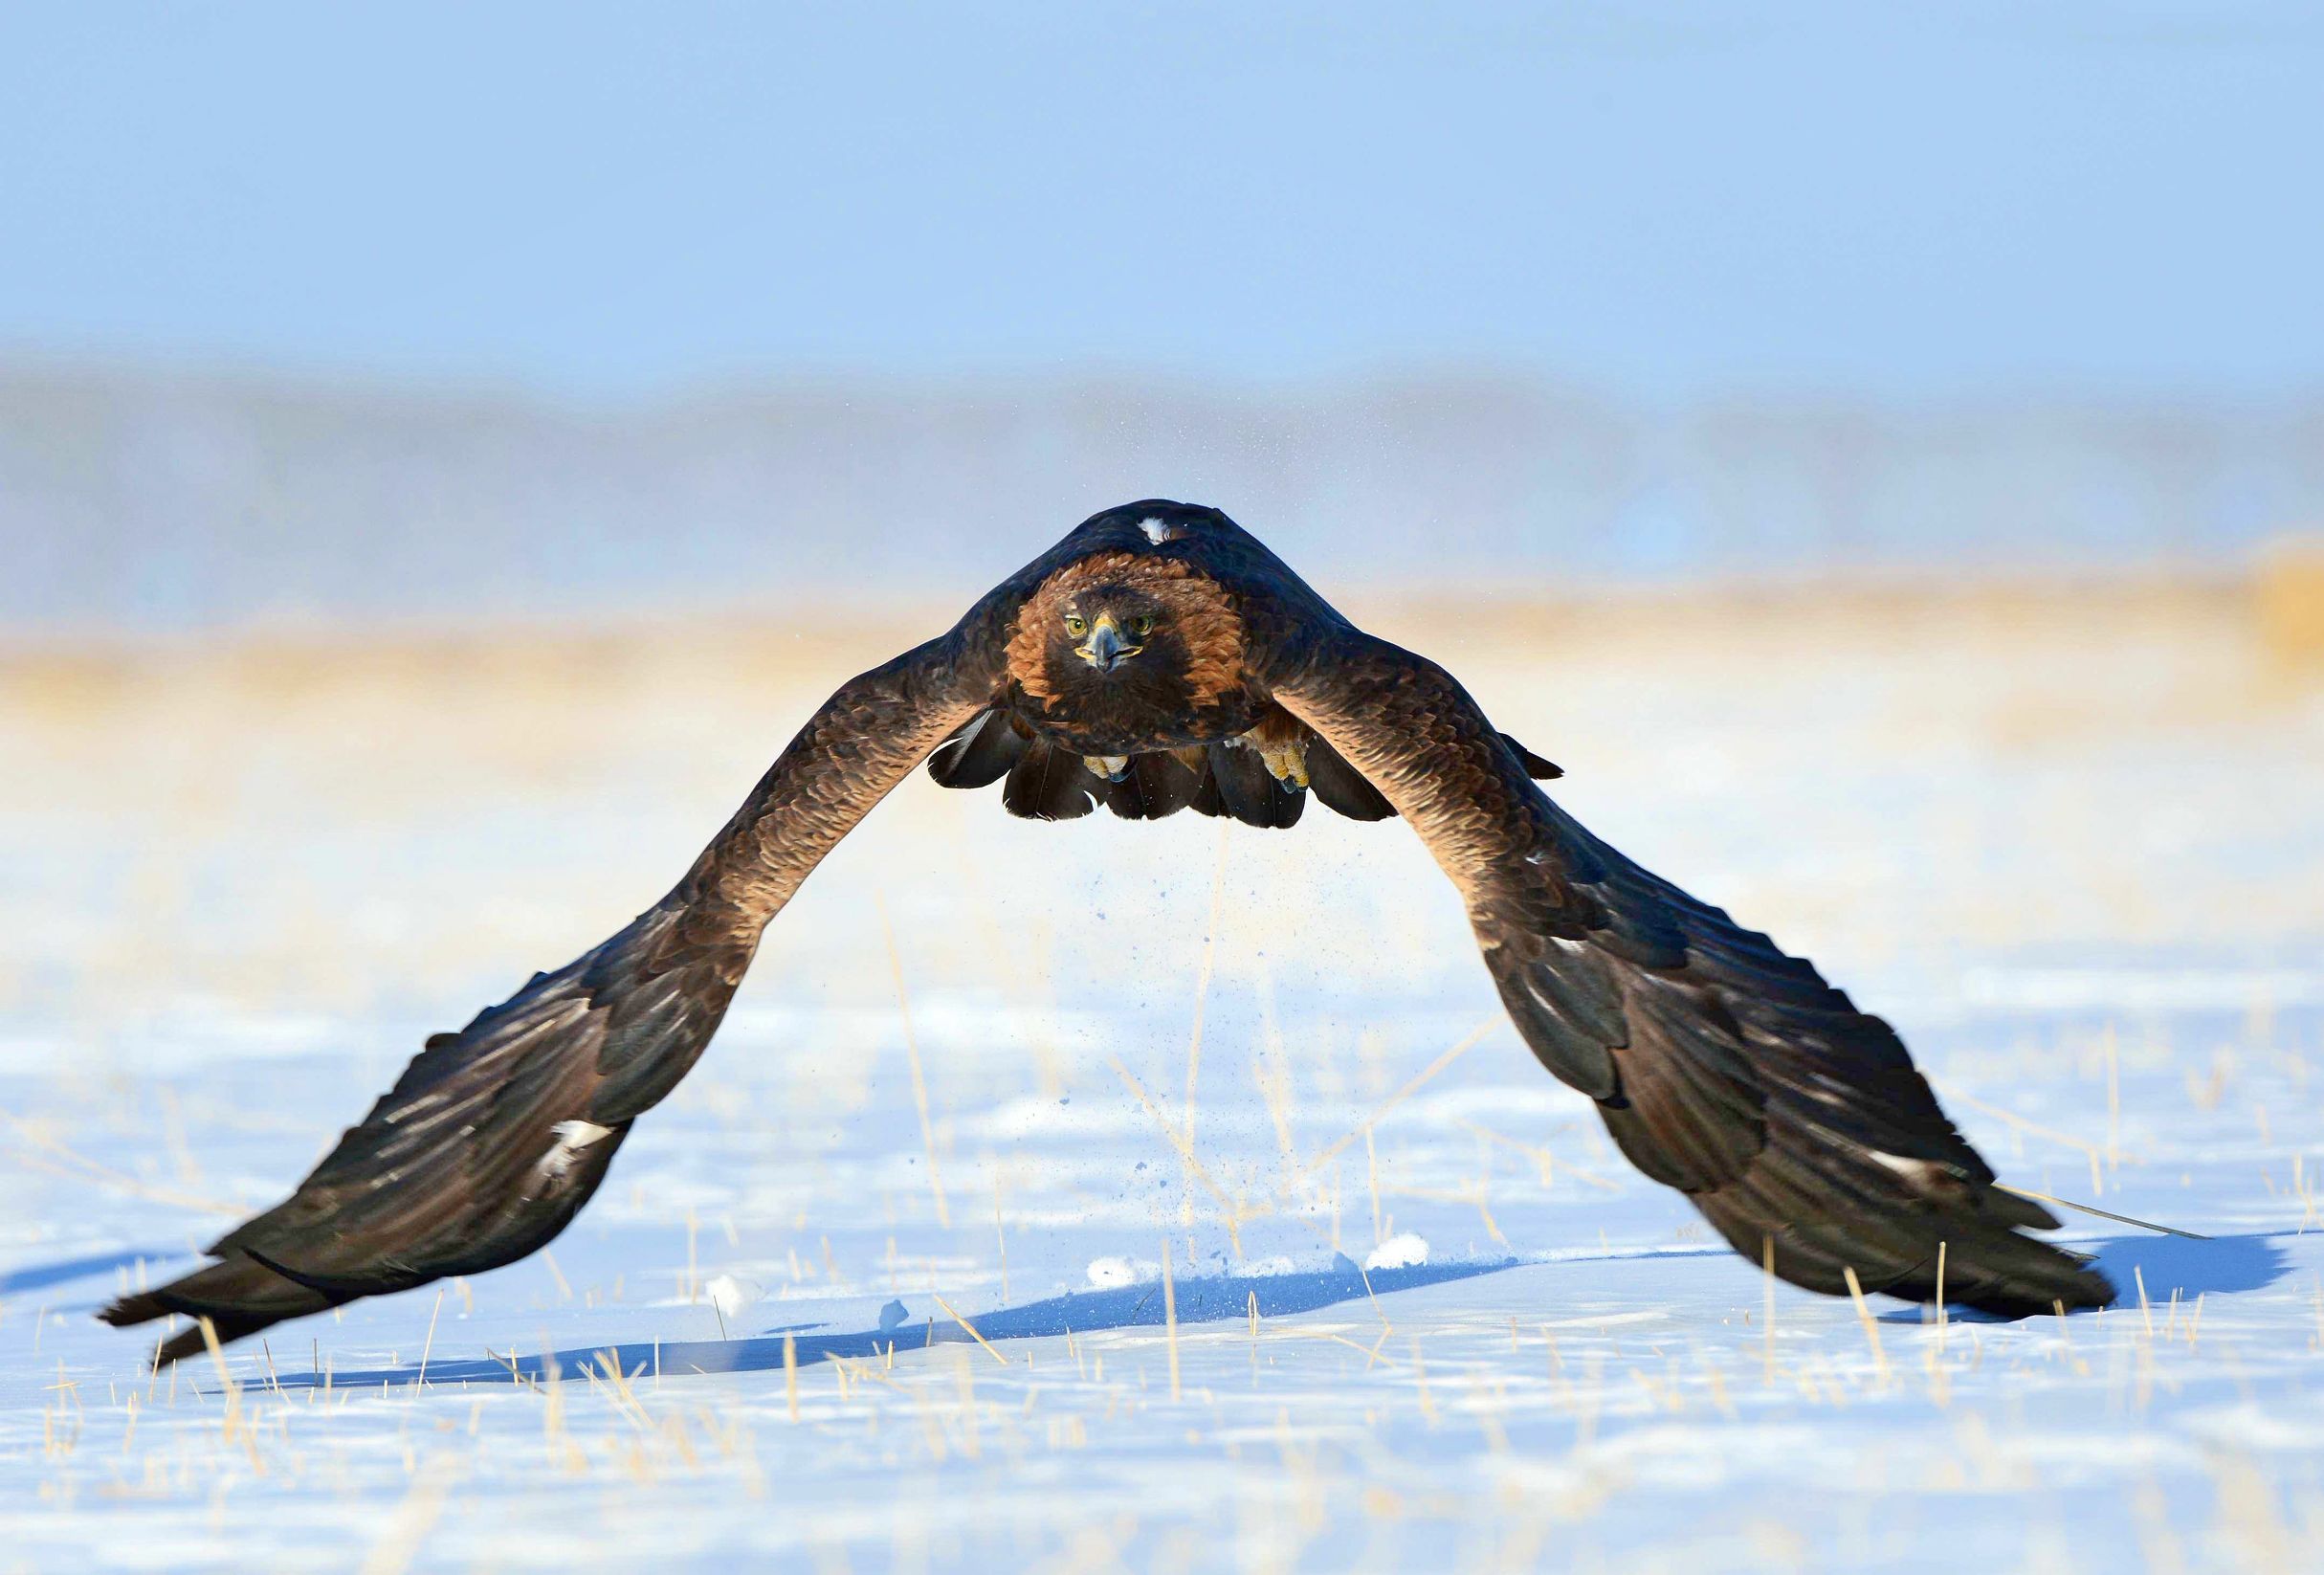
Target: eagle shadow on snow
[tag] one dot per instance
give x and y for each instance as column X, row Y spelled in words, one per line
column 2219, row 1265
column 40, row 1275
column 1196, row 1300
column 2191, row 1266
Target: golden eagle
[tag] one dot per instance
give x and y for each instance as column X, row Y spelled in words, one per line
column 1159, row 658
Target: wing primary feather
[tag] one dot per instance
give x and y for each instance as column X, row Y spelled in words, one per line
column 1536, row 767
column 1048, row 782
column 980, row 754
column 1342, row 787
column 1154, row 785
column 1249, row 792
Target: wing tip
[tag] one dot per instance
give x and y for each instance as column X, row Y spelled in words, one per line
column 2074, row 1285
column 126, row 1312
column 238, row 1294
column 1536, row 767
column 2007, row 1274
column 978, row 753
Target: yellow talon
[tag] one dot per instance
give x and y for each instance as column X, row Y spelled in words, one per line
column 1286, row 760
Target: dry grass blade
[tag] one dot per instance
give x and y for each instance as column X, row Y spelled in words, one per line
column 429, row 1350
column 1178, row 1139
column 972, row 1328
column 413, row 1518
column 1768, row 1267
column 69, row 1164
column 1872, row 1325
column 1171, row 1320
column 1467, row 1042
column 1201, row 980
column 232, row 1391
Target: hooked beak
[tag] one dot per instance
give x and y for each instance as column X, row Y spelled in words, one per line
column 1105, row 648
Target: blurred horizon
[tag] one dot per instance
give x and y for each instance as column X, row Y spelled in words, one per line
column 146, row 499
column 365, row 315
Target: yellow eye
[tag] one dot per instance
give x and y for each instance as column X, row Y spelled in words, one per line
column 1142, row 626
column 1076, row 624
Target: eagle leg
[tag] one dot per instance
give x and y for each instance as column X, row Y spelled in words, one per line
column 1282, row 746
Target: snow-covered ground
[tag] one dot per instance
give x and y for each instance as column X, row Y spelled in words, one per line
column 1417, row 1313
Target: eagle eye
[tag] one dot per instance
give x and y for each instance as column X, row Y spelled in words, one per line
column 1142, row 626
column 1076, row 625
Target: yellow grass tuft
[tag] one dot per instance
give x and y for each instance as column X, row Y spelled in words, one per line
column 986, row 1344
column 1872, row 1325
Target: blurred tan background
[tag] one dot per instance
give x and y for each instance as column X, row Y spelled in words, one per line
column 329, row 821
column 443, row 456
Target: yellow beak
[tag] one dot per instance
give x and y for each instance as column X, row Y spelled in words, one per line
column 1105, row 648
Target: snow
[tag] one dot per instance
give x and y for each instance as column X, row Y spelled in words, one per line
column 957, row 1352
column 732, row 1297
column 1404, row 1251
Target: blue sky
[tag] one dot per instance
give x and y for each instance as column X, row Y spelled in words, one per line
column 1660, row 202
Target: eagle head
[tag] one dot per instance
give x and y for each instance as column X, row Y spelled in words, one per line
column 1110, row 626
column 1124, row 628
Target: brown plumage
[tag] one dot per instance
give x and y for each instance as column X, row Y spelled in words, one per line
column 1159, row 658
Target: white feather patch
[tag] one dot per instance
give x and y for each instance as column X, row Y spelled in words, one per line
column 1156, row 531
column 1920, row 1174
column 573, row 1137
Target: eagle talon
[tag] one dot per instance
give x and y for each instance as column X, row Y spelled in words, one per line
column 1111, row 768
column 1285, row 758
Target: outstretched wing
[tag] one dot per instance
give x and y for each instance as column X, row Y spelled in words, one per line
column 496, row 1136
column 1721, row 1066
